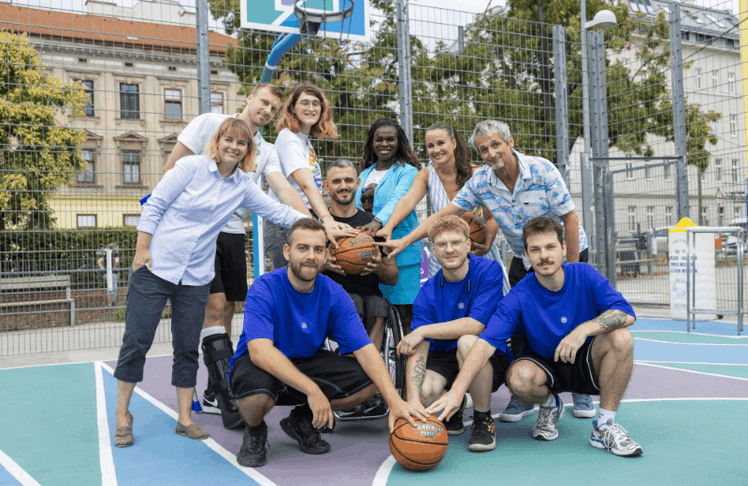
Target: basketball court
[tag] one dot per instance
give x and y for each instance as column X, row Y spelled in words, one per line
column 683, row 406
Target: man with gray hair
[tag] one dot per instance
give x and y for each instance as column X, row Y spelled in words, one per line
column 515, row 188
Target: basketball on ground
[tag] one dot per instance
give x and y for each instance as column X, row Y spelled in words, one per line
column 477, row 227
column 354, row 252
column 421, row 447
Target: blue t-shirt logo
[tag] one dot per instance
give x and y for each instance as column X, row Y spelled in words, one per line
column 563, row 320
column 461, row 305
column 303, row 325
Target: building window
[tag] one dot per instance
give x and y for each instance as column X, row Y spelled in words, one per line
column 668, row 172
column 629, row 171
column 715, row 127
column 131, row 167
column 216, row 102
column 715, row 80
column 632, row 218
column 734, row 170
column 731, row 83
column 88, row 87
column 718, row 167
column 173, row 104
column 733, row 125
column 129, row 101
column 668, row 216
column 86, row 220
column 720, row 215
column 87, row 176
column 736, row 213
column 650, row 217
column 697, row 80
column 648, row 173
column 130, row 219
column 704, row 219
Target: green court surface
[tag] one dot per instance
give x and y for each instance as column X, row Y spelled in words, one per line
column 685, row 442
column 686, row 338
column 724, row 370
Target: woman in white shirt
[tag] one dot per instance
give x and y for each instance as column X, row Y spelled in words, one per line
column 174, row 259
column 307, row 113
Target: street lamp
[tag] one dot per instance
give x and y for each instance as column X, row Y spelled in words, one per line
column 603, row 20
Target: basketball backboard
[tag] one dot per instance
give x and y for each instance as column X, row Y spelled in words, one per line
column 278, row 16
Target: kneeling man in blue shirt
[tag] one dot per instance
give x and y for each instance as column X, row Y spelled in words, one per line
column 575, row 323
column 279, row 359
column 451, row 310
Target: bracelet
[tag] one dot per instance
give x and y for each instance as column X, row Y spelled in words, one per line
column 323, row 219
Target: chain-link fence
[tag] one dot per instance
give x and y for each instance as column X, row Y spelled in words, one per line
column 95, row 95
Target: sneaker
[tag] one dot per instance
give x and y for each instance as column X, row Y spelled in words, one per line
column 516, row 410
column 483, row 434
column 356, row 411
column 454, row 425
column 583, row 407
column 615, row 438
column 375, row 407
column 210, row 402
column 253, row 451
column 545, row 426
column 301, row 429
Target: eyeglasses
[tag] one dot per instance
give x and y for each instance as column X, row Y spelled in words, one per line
column 442, row 245
column 306, row 103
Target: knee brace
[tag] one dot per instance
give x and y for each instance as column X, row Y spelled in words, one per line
column 217, row 350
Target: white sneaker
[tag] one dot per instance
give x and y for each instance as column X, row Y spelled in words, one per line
column 545, row 425
column 615, row 438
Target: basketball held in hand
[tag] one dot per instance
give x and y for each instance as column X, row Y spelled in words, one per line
column 354, row 252
column 419, row 448
column 477, row 227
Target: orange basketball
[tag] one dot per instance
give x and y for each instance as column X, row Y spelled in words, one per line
column 477, row 227
column 421, row 447
column 354, row 252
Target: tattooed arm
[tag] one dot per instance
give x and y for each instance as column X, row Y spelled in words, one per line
column 607, row 321
column 415, row 372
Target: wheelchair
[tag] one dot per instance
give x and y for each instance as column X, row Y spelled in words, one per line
column 393, row 333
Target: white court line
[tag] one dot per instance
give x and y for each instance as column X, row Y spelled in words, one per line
column 219, row 449
column 106, row 459
column 380, row 479
column 642, row 361
column 689, row 344
column 692, row 334
column 692, row 371
column 16, row 471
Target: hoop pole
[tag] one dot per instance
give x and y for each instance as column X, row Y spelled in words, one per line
column 282, row 45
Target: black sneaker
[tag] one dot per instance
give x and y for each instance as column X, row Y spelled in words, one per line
column 301, row 429
column 375, row 407
column 454, row 425
column 483, row 434
column 210, row 402
column 253, row 451
column 356, row 411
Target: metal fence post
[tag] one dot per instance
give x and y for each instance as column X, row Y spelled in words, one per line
column 679, row 111
column 403, row 64
column 562, row 105
column 604, row 224
column 203, row 57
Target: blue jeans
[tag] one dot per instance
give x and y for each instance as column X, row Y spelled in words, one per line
column 275, row 238
column 146, row 299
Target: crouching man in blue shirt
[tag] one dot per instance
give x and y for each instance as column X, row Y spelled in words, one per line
column 279, row 359
column 575, row 323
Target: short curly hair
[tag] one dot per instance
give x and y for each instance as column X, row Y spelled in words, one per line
column 449, row 223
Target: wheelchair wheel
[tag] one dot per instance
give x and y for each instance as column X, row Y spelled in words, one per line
column 395, row 364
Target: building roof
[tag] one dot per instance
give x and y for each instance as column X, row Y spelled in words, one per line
column 58, row 26
column 693, row 17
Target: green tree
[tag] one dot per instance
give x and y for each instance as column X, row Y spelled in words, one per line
column 37, row 154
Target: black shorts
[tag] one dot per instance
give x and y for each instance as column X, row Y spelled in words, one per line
column 369, row 308
column 445, row 364
column 579, row 377
column 230, row 267
column 337, row 376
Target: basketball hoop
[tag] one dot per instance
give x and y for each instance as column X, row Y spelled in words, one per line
column 310, row 19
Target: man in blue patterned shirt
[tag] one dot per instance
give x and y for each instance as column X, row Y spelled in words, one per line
column 515, row 188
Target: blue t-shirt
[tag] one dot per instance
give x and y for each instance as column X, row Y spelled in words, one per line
column 297, row 322
column 546, row 317
column 474, row 296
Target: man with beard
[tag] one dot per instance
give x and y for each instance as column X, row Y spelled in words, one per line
column 279, row 359
column 577, row 340
column 451, row 310
column 371, row 306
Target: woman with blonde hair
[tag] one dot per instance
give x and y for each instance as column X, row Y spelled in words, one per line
column 174, row 260
column 306, row 114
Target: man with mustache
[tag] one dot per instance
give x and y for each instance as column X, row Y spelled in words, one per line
column 341, row 183
column 575, row 323
column 279, row 359
column 515, row 188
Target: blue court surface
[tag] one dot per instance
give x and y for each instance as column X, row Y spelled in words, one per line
column 684, row 405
